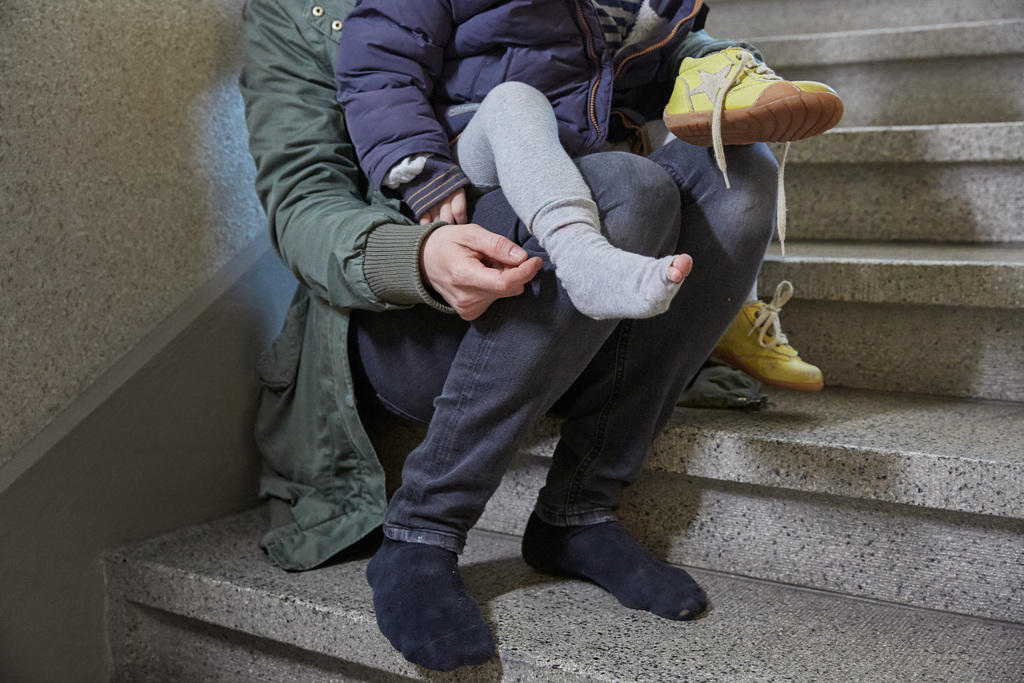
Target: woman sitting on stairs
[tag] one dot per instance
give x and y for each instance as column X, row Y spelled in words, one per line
column 372, row 323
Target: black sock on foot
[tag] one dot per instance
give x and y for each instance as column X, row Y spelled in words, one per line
column 609, row 556
column 423, row 607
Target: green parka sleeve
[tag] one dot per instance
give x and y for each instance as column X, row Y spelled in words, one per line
column 345, row 241
column 350, row 248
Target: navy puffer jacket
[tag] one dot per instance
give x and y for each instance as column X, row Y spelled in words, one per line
column 409, row 72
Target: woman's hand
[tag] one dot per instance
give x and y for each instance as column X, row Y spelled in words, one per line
column 451, row 209
column 471, row 267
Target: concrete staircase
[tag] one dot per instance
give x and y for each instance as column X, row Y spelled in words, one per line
column 871, row 532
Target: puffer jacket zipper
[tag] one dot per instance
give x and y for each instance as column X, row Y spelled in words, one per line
column 661, row 43
column 592, row 99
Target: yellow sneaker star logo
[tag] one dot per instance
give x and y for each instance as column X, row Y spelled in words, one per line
column 711, row 83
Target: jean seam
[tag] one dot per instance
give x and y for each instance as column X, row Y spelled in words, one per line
column 575, row 483
column 483, row 352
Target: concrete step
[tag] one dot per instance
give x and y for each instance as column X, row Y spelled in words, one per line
column 838, row 44
column 917, row 450
column 951, row 351
column 955, row 73
column 744, row 19
column 908, row 499
column 947, row 183
column 923, row 318
column 897, row 273
column 205, row 604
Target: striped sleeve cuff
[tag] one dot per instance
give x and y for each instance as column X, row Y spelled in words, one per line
column 391, row 266
column 438, row 179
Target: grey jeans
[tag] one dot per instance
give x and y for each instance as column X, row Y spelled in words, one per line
column 482, row 386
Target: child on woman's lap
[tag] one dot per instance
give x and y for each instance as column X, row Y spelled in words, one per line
column 551, row 100
column 522, row 87
column 547, row 192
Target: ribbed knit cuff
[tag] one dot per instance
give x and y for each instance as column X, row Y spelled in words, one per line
column 392, row 265
column 438, row 179
column 699, row 44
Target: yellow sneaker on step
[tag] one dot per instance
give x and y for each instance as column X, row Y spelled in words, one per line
column 734, row 97
column 755, row 344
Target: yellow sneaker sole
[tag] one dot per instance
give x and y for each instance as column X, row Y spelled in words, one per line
column 735, row 361
column 782, row 113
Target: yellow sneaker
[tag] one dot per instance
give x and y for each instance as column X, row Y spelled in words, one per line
column 755, row 344
column 731, row 96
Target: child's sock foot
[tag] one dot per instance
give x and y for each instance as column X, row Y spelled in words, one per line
column 604, row 281
column 607, row 555
column 423, row 607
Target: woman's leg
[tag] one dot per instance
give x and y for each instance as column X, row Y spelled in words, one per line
column 507, row 368
column 503, row 374
column 627, row 392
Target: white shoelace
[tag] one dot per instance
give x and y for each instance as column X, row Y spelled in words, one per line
column 768, row 318
column 748, row 61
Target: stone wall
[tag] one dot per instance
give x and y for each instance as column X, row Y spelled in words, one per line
column 125, row 183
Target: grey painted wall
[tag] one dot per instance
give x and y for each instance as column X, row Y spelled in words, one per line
column 125, row 184
column 126, row 208
column 168, row 445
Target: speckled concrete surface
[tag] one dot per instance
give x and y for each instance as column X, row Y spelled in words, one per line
column 965, row 202
column 893, row 273
column 926, row 451
column 954, row 182
column 125, row 183
column 946, row 453
column 945, row 350
column 939, row 559
column 926, row 558
column 743, row 18
column 914, row 92
column 838, row 46
column 170, row 649
column 967, row 143
column 551, row 629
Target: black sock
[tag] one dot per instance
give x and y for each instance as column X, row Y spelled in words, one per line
column 608, row 555
column 423, row 607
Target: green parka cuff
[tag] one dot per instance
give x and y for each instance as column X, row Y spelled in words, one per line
column 391, row 265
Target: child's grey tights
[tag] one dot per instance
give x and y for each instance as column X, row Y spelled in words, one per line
column 512, row 142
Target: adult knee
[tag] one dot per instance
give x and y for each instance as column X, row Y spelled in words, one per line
column 637, row 199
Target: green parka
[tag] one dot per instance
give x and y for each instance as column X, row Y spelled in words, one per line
column 349, row 247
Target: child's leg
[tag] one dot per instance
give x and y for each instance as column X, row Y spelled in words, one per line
column 512, row 141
